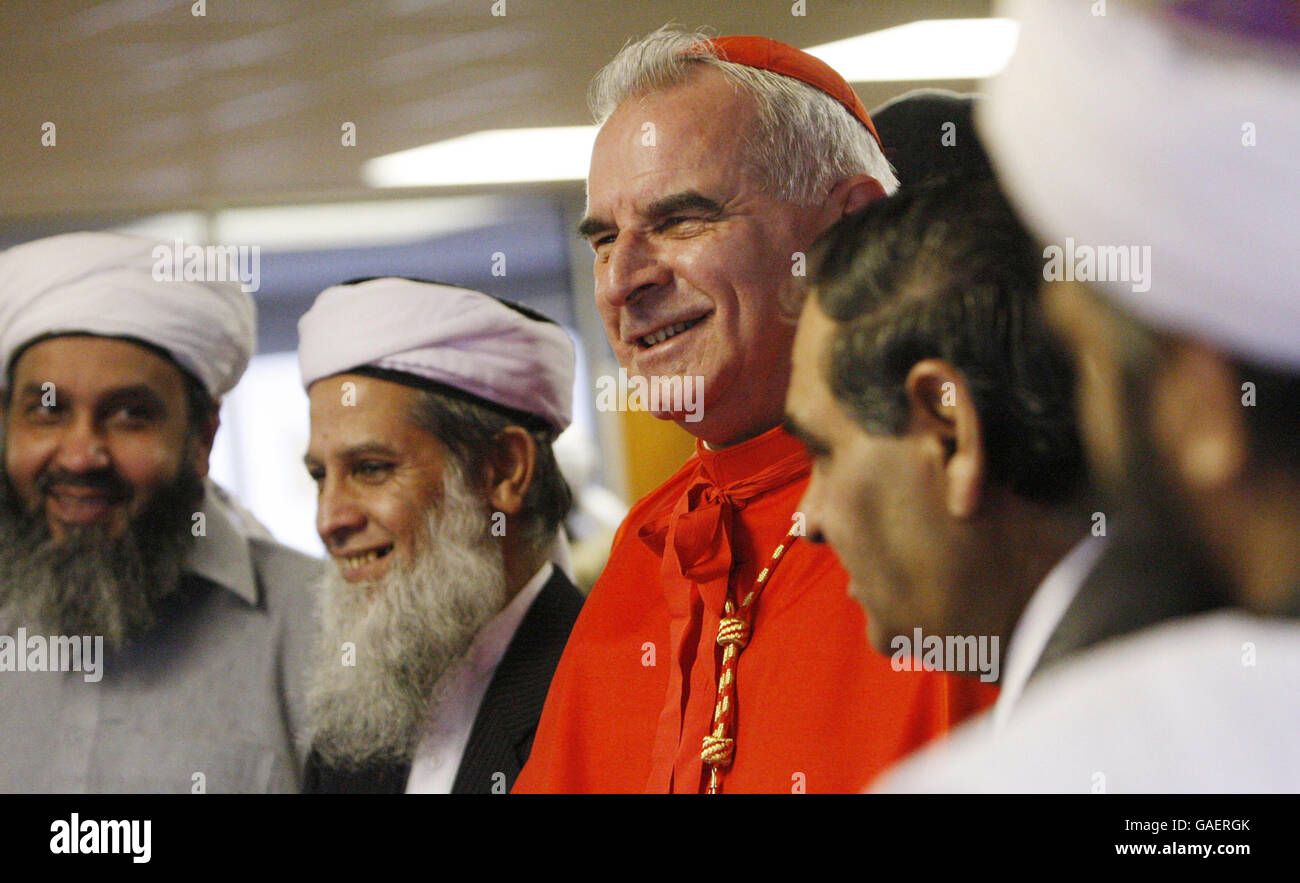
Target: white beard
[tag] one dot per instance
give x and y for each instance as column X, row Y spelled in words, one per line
column 410, row 628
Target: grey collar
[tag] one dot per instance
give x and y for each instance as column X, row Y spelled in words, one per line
column 222, row 553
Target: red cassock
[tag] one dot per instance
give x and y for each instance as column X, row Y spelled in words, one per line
column 816, row 709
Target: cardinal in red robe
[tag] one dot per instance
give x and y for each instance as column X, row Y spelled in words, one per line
column 720, row 651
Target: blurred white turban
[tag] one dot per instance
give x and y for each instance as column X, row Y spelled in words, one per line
column 105, row 284
column 449, row 335
column 1145, row 128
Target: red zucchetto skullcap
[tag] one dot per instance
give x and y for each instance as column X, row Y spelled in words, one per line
column 782, row 58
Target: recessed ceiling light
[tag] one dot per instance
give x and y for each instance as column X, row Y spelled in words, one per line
column 934, row 49
column 493, row 156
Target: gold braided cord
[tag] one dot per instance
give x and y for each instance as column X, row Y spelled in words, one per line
column 719, row 747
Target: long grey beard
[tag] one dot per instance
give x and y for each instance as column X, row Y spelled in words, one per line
column 88, row 584
column 410, row 629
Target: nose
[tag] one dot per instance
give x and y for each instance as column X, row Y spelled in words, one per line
column 809, row 510
column 338, row 514
column 82, row 447
column 630, row 268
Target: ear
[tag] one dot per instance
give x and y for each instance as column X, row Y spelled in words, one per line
column 1197, row 421
column 513, row 459
column 205, row 434
column 942, row 410
column 850, row 195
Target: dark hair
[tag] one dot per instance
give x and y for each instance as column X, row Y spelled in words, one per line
column 930, row 133
column 199, row 406
column 468, row 426
column 945, row 270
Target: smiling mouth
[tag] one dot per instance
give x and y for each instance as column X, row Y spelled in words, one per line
column 79, row 505
column 667, row 333
column 356, row 562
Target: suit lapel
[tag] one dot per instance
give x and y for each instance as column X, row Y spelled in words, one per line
column 503, row 730
column 1135, row 585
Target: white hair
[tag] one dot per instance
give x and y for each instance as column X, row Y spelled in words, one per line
column 411, row 629
column 804, row 143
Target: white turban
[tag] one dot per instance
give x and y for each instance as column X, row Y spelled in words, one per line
column 105, row 284
column 449, row 335
column 1136, row 129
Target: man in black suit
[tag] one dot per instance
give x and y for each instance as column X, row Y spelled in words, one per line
column 433, row 412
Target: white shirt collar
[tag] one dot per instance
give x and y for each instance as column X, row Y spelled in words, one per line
column 439, row 752
column 1042, row 615
column 492, row 640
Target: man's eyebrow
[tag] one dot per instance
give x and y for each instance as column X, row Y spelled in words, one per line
column 356, row 452
column 131, row 394
column 369, row 449
column 590, row 226
column 687, row 200
column 136, row 392
column 676, row 203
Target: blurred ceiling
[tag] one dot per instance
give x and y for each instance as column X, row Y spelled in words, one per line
column 155, row 108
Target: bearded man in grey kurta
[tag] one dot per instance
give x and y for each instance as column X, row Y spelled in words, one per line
column 151, row 630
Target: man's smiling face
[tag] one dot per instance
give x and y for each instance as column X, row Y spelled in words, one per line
column 95, row 426
column 693, row 255
column 378, row 475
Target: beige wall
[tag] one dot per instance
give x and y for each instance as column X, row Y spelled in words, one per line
column 652, row 450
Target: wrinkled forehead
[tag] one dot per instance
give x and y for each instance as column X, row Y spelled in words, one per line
column 356, row 400
column 355, row 412
column 689, row 136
